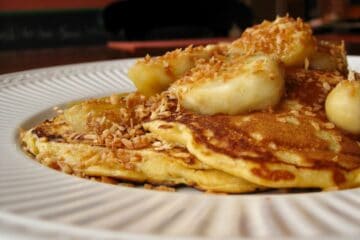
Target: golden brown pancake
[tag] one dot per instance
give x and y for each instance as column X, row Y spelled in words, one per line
column 159, row 135
column 292, row 145
column 56, row 145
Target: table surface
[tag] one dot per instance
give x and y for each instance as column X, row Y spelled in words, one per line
column 18, row 60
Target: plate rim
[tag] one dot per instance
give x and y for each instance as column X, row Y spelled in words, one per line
column 28, row 220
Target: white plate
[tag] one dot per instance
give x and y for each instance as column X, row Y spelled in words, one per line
column 38, row 202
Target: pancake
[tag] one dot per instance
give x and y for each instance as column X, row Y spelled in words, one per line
column 234, row 117
column 55, row 144
column 290, row 146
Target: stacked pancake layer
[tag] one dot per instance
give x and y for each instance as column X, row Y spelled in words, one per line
column 166, row 134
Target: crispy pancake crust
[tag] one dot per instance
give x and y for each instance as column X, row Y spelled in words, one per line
column 292, row 145
column 52, row 145
column 282, row 167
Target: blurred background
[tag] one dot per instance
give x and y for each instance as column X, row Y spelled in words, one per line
column 40, row 33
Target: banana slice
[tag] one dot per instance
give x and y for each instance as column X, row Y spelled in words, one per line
column 343, row 106
column 154, row 75
column 329, row 56
column 77, row 116
column 287, row 39
column 231, row 85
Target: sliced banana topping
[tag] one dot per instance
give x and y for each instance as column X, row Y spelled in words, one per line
column 231, row 85
column 343, row 106
column 288, row 39
column 329, row 56
column 154, row 75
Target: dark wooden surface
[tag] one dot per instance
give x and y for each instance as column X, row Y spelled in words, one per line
column 18, row 60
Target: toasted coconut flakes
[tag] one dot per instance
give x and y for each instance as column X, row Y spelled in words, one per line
column 317, row 107
column 246, row 119
column 338, row 138
column 73, row 135
column 326, row 86
column 129, row 166
column 127, row 143
column 257, row 136
column 281, row 119
column 351, row 76
column 308, row 113
column 165, row 63
column 131, row 131
column 156, row 144
column 315, row 125
column 178, row 105
column 90, row 137
column 121, row 128
column 306, row 64
column 65, row 167
column 126, row 131
column 101, row 120
column 329, row 125
column 165, row 114
column 295, row 112
column 141, row 142
column 292, row 120
column 141, row 112
column 249, row 154
column 139, row 132
column 160, row 146
column 272, row 145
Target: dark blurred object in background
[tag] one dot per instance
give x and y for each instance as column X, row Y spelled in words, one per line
column 340, row 16
column 57, row 25
column 164, row 19
column 39, row 33
column 55, row 28
column 41, row 24
column 332, row 20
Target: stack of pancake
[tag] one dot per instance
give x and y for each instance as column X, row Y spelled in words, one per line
column 165, row 135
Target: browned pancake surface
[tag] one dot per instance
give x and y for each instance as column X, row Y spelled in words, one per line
column 298, row 125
